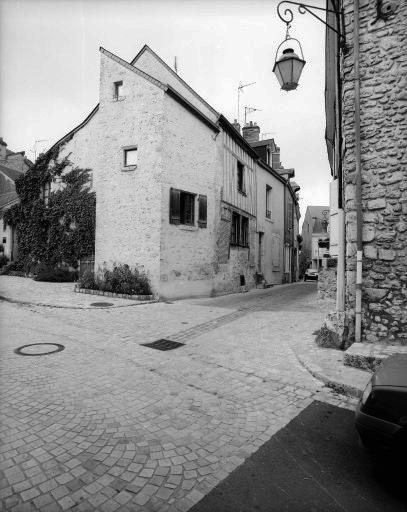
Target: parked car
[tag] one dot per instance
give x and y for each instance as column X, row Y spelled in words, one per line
column 311, row 274
column 381, row 415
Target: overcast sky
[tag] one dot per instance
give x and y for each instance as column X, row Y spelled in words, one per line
column 49, row 75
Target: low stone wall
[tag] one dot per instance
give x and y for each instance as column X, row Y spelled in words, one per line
column 327, row 283
column 117, row 295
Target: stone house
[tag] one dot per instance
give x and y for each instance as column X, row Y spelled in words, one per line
column 176, row 184
column 366, row 108
column 12, row 165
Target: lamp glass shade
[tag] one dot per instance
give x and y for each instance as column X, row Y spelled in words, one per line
column 288, row 69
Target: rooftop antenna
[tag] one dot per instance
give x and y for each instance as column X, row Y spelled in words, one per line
column 34, row 149
column 240, row 90
column 249, row 110
column 266, row 135
column 175, row 65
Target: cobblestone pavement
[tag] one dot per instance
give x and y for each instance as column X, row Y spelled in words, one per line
column 108, row 424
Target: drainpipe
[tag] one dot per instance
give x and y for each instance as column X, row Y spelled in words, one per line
column 358, row 302
column 340, row 284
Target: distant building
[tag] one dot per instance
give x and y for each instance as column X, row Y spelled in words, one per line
column 12, row 166
column 315, row 236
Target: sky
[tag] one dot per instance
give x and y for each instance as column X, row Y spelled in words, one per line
column 49, row 74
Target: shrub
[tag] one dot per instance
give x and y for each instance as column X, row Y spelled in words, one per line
column 3, row 260
column 87, row 280
column 120, row 279
column 56, row 275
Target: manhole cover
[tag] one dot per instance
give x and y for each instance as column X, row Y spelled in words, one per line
column 39, row 349
column 101, row 304
column 163, row 344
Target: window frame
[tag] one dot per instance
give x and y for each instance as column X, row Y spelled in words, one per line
column 241, row 177
column 116, row 92
column 179, row 199
column 126, row 149
column 269, row 190
column 239, row 235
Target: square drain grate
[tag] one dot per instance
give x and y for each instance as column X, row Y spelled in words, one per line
column 163, row 344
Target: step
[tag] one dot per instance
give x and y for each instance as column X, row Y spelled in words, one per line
column 368, row 356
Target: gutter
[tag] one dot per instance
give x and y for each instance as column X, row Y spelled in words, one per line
column 359, row 241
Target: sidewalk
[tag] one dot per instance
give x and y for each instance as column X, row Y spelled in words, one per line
column 24, row 290
column 323, row 363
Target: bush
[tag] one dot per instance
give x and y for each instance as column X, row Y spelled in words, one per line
column 87, row 280
column 121, row 279
column 3, row 260
column 56, row 275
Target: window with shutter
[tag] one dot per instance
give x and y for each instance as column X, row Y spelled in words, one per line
column 202, row 211
column 175, row 206
column 182, row 207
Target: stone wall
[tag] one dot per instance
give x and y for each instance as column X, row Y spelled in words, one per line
column 383, row 110
column 327, row 283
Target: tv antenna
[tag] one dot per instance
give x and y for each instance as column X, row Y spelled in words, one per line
column 249, row 110
column 34, row 149
column 175, row 65
column 239, row 91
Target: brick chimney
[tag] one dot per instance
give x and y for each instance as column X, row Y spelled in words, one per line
column 251, row 132
column 236, row 125
column 3, row 146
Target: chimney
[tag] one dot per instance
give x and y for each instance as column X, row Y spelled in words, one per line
column 3, row 146
column 236, row 125
column 251, row 132
column 275, row 159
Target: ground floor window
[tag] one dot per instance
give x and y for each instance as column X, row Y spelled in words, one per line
column 182, row 208
column 240, row 230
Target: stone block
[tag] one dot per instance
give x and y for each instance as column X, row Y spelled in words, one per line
column 370, row 251
column 376, row 204
column 375, row 293
column 387, row 254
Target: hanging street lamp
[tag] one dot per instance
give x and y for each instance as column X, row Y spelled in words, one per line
column 288, row 67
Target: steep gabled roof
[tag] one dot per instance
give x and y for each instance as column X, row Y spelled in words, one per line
column 13, row 174
column 6, row 199
column 146, row 48
column 130, row 67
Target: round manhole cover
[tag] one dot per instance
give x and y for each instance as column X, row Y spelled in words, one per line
column 101, row 304
column 39, row 349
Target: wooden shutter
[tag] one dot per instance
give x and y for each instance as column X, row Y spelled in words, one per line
column 202, row 211
column 175, row 206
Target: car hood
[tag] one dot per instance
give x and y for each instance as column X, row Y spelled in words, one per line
column 392, row 372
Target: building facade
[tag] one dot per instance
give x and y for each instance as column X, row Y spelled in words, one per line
column 366, row 104
column 12, row 165
column 177, row 186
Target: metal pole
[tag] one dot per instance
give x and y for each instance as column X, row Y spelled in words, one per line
column 359, row 248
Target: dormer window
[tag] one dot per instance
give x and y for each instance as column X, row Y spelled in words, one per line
column 118, row 90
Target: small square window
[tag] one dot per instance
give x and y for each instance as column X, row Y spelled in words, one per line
column 130, row 157
column 118, row 90
column 4, row 240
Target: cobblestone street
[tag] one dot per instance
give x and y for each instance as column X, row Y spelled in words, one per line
column 108, row 424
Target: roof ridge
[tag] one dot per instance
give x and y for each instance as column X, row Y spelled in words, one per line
column 190, row 89
column 130, row 67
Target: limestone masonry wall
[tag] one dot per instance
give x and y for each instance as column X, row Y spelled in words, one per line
column 128, row 218
column 327, row 283
column 383, row 82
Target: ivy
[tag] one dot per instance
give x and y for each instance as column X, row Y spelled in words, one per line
column 61, row 231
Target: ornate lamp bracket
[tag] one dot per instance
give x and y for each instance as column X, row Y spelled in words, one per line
column 287, row 16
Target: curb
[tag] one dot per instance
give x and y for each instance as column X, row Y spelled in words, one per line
column 339, row 387
column 57, row 306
